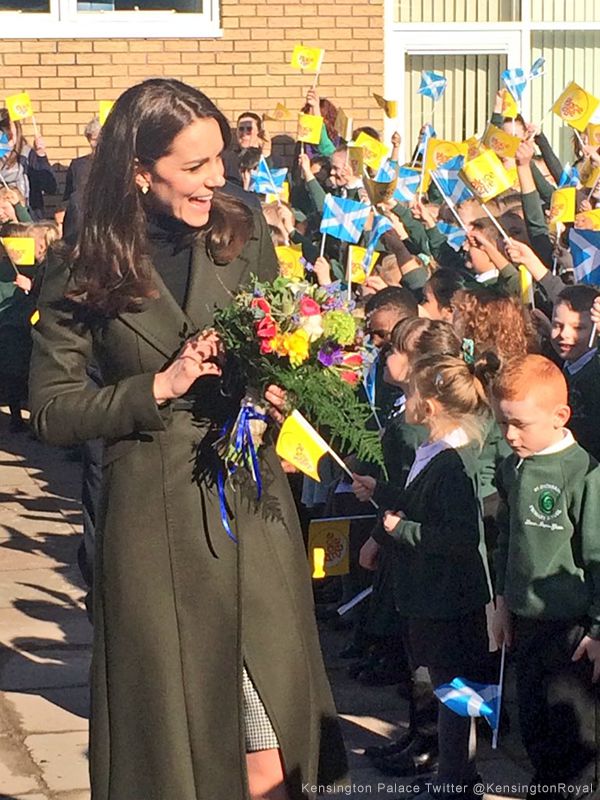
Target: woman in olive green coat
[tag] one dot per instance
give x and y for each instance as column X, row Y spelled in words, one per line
column 179, row 609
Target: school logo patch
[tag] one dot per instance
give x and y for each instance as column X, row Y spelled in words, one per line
column 547, row 502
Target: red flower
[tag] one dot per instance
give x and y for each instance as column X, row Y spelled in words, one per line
column 352, row 360
column 349, row 377
column 266, row 328
column 309, row 307
column 266, row 346
column 261, row 303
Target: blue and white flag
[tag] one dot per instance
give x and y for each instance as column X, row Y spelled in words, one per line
column 585, row 249
column 425, row 135
column 450, row 183
column 408, row 185
column 468, row 699
column 454, row 234
column 537, row 68
column 569, row 177
column 432, row 85
column 515, row 81
column 344, row 219
column 381, row 224
column 387, row 171
column 5, row 148
column 267, row 181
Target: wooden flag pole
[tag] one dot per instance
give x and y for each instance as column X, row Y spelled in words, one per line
column 35, row 127
column 349, row 273
column 323, row 240
column 500, row 688
column 347, row 470
column 449, row 203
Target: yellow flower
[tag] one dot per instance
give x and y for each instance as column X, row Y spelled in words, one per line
column 297, row 345
column 279, row 344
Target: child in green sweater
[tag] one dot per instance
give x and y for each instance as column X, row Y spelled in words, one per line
column 548, row 567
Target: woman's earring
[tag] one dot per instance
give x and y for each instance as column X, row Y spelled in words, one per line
column 145, row 189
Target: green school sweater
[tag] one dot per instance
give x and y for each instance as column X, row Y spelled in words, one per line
column 547, row 560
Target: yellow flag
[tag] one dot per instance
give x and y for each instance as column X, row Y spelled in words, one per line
column 379, row 191
column 356, row 259
column 34, row 318
column 307, row 58
column 104, row 109
column 19, row 106
column 289, row 257
column 593, row 134
column 284, row 195
column 588, row 220
column 486, row 176
column 344, row 125
column 356, row 160
column 576, row 106
column 500, row 142
column 562, row 205
column 526, row 286
column 390, row 107
column 20, row 249
column 438, row 152
column 281, row 114
column 510, row 109
column 333, row 537
column 319, row 563
column 592, row 178
column 373, row 151
column 309, row 128
column 300, row 445
column 474, row 147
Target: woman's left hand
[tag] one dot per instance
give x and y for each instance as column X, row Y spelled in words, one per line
column 277, row 399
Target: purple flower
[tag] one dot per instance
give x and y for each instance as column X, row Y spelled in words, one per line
column 331, row 355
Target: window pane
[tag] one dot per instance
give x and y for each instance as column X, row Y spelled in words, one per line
column 184, row 6
column 464, row 107
column 27, row 6
column 458, row 11
column 561, row 11
column 570, row 55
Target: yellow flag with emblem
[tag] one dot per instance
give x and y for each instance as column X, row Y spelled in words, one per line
column 502, row 143
column 333, row 537
column 309, row 128
column 439, row 151
column 20, row 250
column 356, row 258
column 290, row 264
column 588, row 220
column 356, row 160
column 343, row 125
column 307, row 59
column 562, row 205
column 389, row 107
column 374, row 151
column 474, row 147
column 104, row 109
column 486, row 176
column 299, row 444
column 576, row 106
column 19, row 106
column 593, row 134
column 281, row 114
column 510, row 109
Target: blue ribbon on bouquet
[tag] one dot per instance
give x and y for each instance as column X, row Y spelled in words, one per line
column 243, row 446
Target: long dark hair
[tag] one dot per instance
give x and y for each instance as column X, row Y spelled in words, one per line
column 110, row 264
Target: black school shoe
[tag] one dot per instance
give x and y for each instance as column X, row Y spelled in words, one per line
column 420, row 757
column 385, row 750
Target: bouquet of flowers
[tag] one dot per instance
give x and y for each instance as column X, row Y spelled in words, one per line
column 308, row 340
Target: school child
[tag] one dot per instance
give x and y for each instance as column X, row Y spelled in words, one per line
column 548, row 569
column 572, row 340
column 441, row 584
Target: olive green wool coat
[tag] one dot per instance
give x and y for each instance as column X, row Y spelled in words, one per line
column 179, row 606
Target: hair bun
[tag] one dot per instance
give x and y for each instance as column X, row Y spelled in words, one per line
column 487, row 366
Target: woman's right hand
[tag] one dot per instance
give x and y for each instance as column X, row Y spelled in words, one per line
column 200, row 356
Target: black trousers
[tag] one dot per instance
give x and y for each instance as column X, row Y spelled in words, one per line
column 557, row 701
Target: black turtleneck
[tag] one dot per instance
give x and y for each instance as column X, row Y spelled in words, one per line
column 170, row 249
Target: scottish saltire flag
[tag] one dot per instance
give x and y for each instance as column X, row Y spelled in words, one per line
column 450, row 182
column 432, row 85
column 585, row 249
column 454, row 234
column 569, row 177
column 387, row 171
column 381, row 224
column 537, row 68
column 515, row 81
column 408, row 185
column 344, row 219
column 267, row 181
column 425, row 135
column 472, row 699
column 4, row 145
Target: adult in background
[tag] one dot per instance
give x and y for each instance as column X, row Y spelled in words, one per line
column 78, row 170
column 207, row 677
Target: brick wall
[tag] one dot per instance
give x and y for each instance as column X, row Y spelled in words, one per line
column 246, row 69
